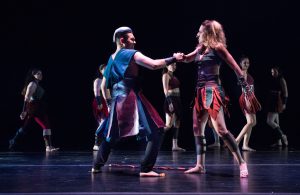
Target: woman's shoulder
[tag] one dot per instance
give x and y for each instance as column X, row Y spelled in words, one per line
column 219, row 47
column 97, row 80
column 32, row 84
column 166, row 75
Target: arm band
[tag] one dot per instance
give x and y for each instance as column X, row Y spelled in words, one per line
column 170, row 60
column 108, row 101
column 169, row 100
column 242, row 81
column 284, row 100
column 98, row 100
column 25, row 105
column 244, row 84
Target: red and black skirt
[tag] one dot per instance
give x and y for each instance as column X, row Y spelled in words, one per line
column 175, row 100
column 249, row 105
column 211, row 99
column 100, row 114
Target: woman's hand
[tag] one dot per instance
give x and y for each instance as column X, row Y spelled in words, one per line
column 23, row 115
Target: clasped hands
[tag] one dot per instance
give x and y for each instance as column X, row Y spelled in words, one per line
column 179, row 56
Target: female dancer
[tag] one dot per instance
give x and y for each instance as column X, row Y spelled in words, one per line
column 172, row 105
column 210, row 99
column 99, row 106
column 278, row 94
column 34, row 108
column 248, row 109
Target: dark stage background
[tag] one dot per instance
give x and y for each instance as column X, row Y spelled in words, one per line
column 69, row 39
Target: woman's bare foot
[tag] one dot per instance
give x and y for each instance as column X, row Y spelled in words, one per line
column 243, row 170
column 247, row 148
column 214, row 145
column 197, row 169
column 152, row 174
column 95, row 171
column 178, row 149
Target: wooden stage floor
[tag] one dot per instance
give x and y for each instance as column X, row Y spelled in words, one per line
column 273, row 171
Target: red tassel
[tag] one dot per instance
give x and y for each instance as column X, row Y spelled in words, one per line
column 249, row 103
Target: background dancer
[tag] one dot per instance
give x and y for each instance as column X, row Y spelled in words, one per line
column 34, row 108
column 172, row 104
column 249, row 110
column 99, row 106
column 277, row 99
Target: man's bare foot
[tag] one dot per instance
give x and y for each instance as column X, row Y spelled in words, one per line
column 152, row 174
column 197, row 169
column 244, row 148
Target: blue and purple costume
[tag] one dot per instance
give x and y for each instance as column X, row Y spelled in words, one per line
column 130, row 113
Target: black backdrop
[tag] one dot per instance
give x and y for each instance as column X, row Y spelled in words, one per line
column 69, row 39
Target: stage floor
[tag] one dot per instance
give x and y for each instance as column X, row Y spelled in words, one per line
column 275, row 171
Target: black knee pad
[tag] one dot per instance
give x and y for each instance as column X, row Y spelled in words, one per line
column 200, row 142
column 229, row 139
column 279, row 132
column 175, row 133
